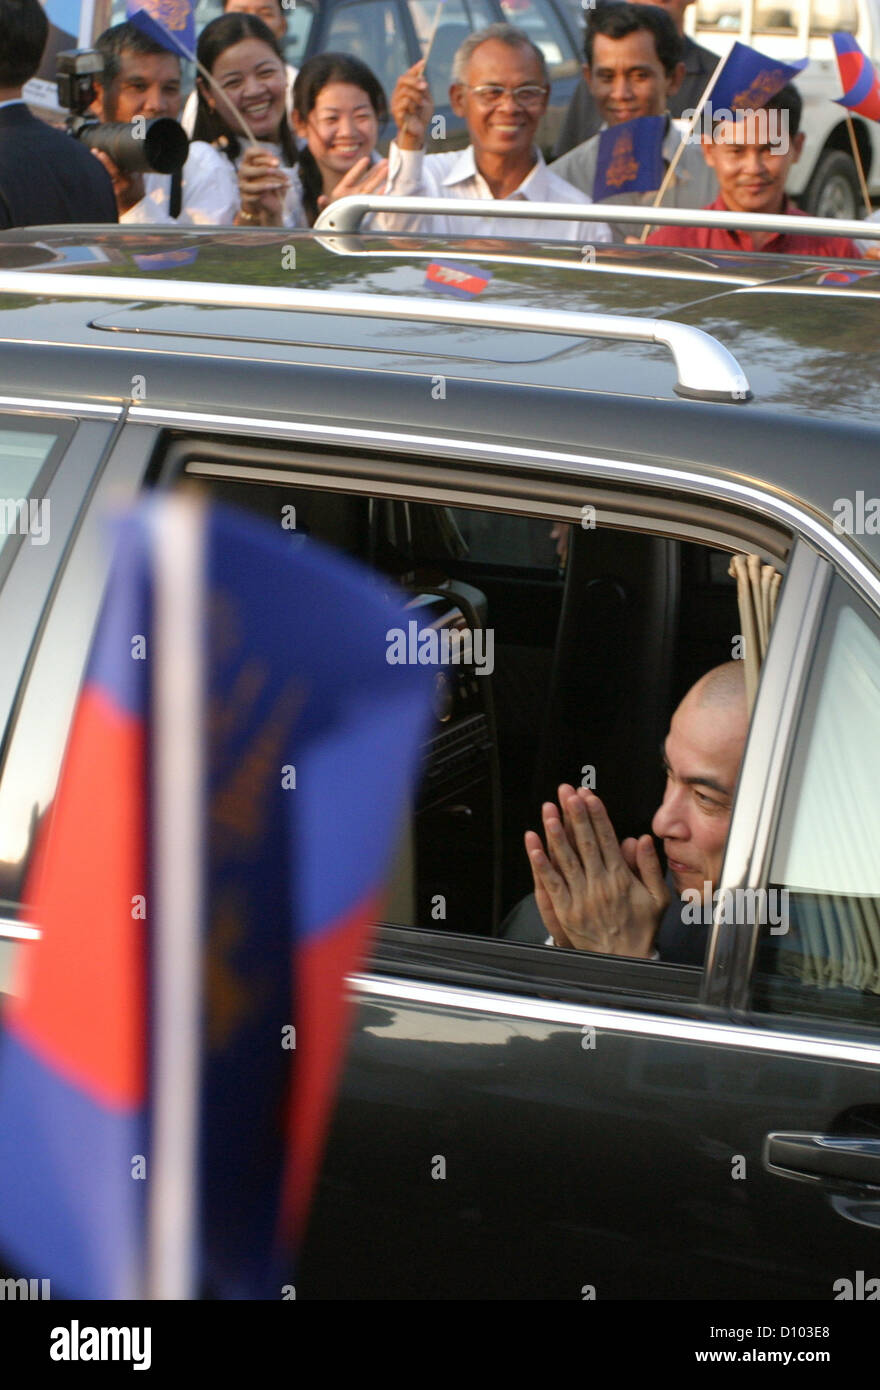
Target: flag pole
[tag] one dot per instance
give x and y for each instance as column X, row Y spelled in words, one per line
column 431, row 37
column 673, row 163
column 176, row 909
column 218, row 91
column 858, row 159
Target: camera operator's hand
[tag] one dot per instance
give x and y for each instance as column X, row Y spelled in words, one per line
column 128, row 189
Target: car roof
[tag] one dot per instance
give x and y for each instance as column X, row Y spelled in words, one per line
column 800, row 329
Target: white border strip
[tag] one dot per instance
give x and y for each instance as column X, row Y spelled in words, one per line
column 77, row 409
column 675, row 1029
column 177, row 891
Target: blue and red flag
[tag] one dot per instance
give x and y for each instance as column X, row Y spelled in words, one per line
column 748, row 79
column 630, row 158
column 858, row 77
column 172, row 23
column 233, row 786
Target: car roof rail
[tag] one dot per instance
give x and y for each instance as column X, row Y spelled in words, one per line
column 346, row 214
column 706, row 370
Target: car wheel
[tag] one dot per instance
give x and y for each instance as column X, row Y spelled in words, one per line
column 834, row 189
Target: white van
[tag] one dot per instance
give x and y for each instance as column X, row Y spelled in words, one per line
column 825, row 181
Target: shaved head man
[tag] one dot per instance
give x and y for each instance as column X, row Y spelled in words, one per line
column 596, row 894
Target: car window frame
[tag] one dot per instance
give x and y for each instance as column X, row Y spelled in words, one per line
column 415, row 479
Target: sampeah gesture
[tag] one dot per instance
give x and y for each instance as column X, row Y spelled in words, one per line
column 594, row 893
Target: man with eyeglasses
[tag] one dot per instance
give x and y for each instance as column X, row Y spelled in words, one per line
column 500, row 88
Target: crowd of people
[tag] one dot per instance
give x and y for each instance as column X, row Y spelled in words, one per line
column 272, row 147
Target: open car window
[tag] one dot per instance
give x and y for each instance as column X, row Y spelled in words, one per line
column 577, row 642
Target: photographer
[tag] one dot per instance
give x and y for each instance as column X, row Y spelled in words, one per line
column 143, row 79
column 45, row 176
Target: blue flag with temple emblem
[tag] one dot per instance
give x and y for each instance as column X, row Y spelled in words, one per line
column 630, row 158
column 172, row 23
column 749, row 79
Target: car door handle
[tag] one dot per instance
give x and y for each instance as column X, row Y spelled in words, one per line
column 824, row 1156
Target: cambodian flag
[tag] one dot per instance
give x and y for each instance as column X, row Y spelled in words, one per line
column 630, row 158
column 457, row 279
column 232, row 791
column 858, row 77
column 172, row 23
column 748, row 79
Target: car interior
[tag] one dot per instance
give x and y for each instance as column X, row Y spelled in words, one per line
column 596, row 635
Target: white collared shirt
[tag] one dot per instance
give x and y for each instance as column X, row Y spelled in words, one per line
column 454, row 174
column 209, row 194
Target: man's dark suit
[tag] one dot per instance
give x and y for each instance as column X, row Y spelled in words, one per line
column 582, row 118
column 47, row 177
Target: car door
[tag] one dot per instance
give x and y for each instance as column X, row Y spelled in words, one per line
column 49, row 598
column 513, row 1127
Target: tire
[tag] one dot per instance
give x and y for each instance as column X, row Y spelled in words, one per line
column 834, row 190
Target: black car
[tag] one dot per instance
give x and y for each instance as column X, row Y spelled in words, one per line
column 519, row 1121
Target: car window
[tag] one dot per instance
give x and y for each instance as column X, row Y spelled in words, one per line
column 771, row 17
column 495, row 539
column 779, row 17
column 833, row 16
column 823, row 953
column 23, row 456
column 544, row 27
column 719, row 14
column 371, row 30
column 568, row 671
column 457, row 19
column 300, row 19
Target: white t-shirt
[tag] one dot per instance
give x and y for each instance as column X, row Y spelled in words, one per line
column 210, row 192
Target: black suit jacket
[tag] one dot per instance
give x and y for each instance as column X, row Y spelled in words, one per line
column 46, row 176
column 582, row 118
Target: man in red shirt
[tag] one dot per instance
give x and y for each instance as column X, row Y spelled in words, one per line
column 752, row 170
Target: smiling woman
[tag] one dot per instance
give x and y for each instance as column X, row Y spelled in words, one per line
column 338, row 106
column 243, row 57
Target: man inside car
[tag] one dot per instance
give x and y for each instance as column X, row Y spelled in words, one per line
column 500, row 88
column 752, row 170
column 633, row 68
column 593, row 893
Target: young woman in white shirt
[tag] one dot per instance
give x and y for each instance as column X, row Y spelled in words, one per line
column 339, row 107
column 242, row 55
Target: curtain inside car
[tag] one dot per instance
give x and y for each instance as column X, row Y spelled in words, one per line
column 757, row 589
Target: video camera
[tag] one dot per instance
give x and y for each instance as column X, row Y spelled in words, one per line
column 159, row 145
